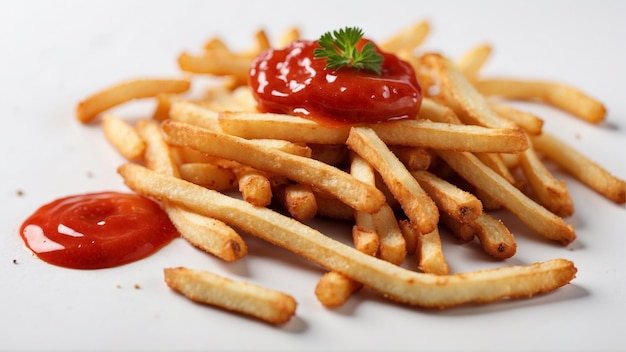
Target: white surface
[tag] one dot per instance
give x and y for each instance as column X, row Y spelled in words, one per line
column 55, row 53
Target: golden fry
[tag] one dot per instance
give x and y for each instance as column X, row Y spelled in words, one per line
column 123, row 137
column 89, row 108
column 271, row 306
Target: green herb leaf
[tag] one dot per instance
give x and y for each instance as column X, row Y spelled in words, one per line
column 339, row 50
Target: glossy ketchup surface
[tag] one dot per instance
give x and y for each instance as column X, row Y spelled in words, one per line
column 97, row 230
column 292, row 81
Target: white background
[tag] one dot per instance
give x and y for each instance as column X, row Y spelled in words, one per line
column 55, row 53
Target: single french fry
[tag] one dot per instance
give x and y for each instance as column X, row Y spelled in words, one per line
column 494, row 237
column 355, row 193
column 394, row 282
column 123, row 137
column 364, row 234
column 271, row 306
column 209, row 175
column 532, row 214
column 559, row 95
column 430, row 254
column 550, row 192
column 89, row 108
column 164, row 105
column 255, row 187
column 473, row 60
column 459, row 204
column 408, row 39
column 581, row 167
column 299, row 201
column 366, row 239
column 208, row 234
column 334, row 289
column 415, row 133
column 414, row 201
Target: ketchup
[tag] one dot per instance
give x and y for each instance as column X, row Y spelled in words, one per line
column 97, row 230
column 292, row 81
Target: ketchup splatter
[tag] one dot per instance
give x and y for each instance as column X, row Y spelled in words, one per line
column 292, row 81
column 97, row 230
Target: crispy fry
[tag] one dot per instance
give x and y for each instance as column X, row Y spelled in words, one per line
column 255, row 187
column 299, row 201
column 459, row 204
column 392, row 281
column 207, row 234
column 416, row 133
column 532, row 214
column 271, row 306
column 358, row 195
column 429, row 251
column 123, row 137
column 494, row 237
column 92, row 106
column 581, row 167
column 560, row 95
column 392, row 245
column 334, row 289
column 414, row 201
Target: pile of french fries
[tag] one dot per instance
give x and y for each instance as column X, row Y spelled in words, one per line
column 221, row 169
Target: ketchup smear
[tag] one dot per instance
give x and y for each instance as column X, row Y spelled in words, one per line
column 97, row 230
column 292, row 81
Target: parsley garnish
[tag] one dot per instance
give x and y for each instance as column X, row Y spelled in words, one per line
column 339, row 49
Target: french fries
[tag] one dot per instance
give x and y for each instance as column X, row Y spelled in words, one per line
column 463, row 156
column 394, row 282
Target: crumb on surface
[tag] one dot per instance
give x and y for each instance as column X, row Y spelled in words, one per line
column 15, row 261
column 19, row 192
column 136, row 286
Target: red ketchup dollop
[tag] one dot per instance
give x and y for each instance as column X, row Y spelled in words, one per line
column 97, row 230
column 292, row 81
